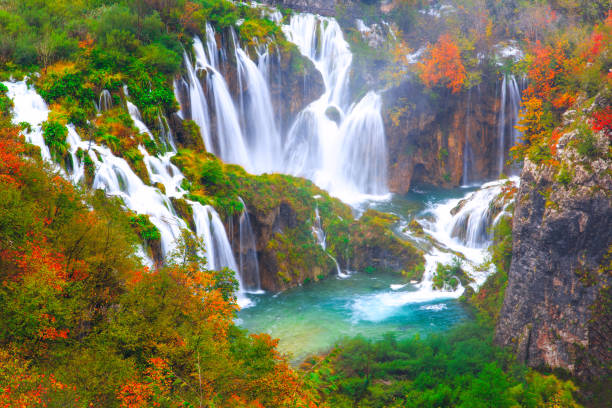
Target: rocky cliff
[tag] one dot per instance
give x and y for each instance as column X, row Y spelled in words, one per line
column 557, row 305
column 426, row 134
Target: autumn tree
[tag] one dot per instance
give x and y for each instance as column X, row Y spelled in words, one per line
column 443, row 65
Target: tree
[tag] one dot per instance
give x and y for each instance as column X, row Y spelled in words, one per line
column 443, row 65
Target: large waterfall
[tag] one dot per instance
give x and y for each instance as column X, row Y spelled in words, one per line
column 115, row 176
column 338, row 144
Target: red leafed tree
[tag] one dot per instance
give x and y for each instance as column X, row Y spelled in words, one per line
column 443, row 65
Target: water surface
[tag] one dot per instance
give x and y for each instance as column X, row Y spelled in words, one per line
column 312, row 318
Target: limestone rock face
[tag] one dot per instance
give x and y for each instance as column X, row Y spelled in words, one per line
column 557, row 304
column 426, row 135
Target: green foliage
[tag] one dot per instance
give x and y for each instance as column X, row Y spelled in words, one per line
column 461, row 368
column 55, row 134
column 449, row 276
column 489, row 298
column 564, row 176
column 144, row 228
column 211, row 173
column 586, row 144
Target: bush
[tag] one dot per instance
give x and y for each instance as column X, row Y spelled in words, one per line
column 587, row 144
column 564, row 176
column 55, row 134
column 211, row 173
column 448, row 276
column 145, row 228
column 156, row 57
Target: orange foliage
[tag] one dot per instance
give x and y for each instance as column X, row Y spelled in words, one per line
column 23, row 387
column 11, row 149
column 602, row 121
column 444, row 65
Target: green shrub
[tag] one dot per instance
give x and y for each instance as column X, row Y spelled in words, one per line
column 564, row 176
column 211, row 173
column 144, row 228
column 447, row 276
column 587, row 144
column 55, row 134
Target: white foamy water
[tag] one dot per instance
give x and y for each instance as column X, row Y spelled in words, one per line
column 115, row 176
column 465, row 236
column 337, row 143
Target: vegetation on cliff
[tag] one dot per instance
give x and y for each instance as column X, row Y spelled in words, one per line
column 284, row 211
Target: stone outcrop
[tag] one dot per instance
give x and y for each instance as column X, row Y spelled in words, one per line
column 557, row 305
column 288, row 251
column 426, row 135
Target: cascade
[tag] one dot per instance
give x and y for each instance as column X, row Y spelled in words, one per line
column 231, row 146
column 339, row 145
column 263, row 137
column 115, row 176
column 106, row 101
column 510, row 106
column 317, row 230
column 249, row 266
column 210, row 229
column 198, row 108
column 464, row 225
column 31, row 108
column 325, row 140
column 319, row 234
column 501, row 127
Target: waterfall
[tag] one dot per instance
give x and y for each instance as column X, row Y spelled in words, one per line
column 249, row 266
column 29, row 107
column 197, row 103
column 515, row 106
column 263, row 137
column 210, row 229
column 106, row 101
column 115, row 176
column 317, row 230
column 363, row 144
column 510, row 106
column 321, row 238
column 464, row 225
column 325, row 143
column 231, row 146
column 338, row 145
column 501, row 127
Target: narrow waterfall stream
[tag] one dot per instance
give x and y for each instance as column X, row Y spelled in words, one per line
column 247, row 253
column 507, row 133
